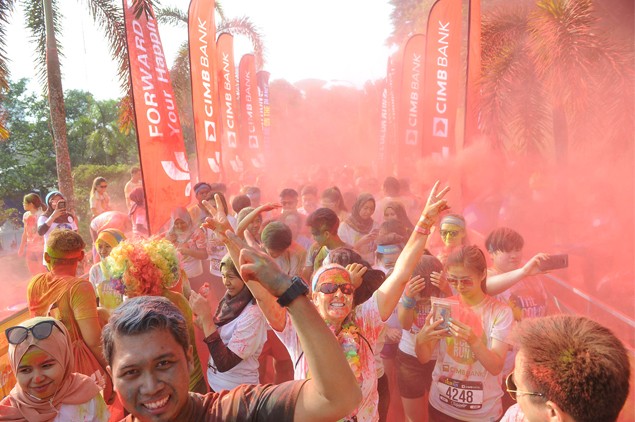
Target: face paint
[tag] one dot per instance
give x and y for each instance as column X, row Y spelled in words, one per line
column 39, row 374
column 452, row 234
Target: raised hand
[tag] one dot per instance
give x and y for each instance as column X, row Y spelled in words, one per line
column 357, row 272
column 415, row 285
column 218, row 221
column 256, row 265
column 435, row 203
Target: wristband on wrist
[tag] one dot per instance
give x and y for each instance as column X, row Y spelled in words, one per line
column 297, row 288
column 408, row 302
column 425, row 230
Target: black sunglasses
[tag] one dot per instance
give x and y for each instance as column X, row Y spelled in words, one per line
column 330, row 288
column 513, row 391
column 41, row 330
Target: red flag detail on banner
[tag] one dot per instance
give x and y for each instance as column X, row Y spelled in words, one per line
column 166, row 175
column 233, row 163
column 250, row 115
column 442, row 84
column 205, row 103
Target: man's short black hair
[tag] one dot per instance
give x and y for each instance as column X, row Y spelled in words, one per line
column 239, row 202
column 504, row 239
column 323, row 219
column 140, row 315
column 276, row 236
column 391, row 186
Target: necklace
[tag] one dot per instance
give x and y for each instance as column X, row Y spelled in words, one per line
column 348, row 337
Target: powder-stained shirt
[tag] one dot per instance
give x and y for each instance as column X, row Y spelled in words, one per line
column 461, row 386
column 94, row 410
column 368, row 320
column 244, row 403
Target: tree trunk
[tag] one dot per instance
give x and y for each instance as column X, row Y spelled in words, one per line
column 58, row 110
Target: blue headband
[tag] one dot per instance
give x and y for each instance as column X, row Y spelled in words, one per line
column 52, row 194
column 202, row 186
column 388, row 249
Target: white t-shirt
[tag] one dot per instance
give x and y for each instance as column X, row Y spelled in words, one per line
column 369, row 322
column 245, row 336
column 461, row 387
column 101, row 202
column 514, row 414
column 94, row 410
column 292, row 260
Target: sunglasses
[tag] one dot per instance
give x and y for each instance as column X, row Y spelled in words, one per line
column 466, row 282
column 41, row 330
column 103, row 186
column 513, row 390
column 449, row 233
column 330, row 288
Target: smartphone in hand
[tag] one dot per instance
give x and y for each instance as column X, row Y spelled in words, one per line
column 554, row 262
column 61, row 205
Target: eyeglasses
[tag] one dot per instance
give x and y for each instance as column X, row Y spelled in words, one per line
column 514, row 392
column 41, row 330
column 466, row 281
column 330, row 288
column 449, row 233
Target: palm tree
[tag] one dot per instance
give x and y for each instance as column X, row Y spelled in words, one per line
column 42, row 20
column 551, row 77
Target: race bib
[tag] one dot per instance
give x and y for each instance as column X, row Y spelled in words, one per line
column 466, row 395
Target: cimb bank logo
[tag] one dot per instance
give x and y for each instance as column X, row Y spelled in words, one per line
column 440, row 127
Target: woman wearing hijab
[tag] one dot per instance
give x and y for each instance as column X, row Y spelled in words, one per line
column 60, row 294
column 359, row 229
column 137, row 213
column 100, row 274
column 191, row 243
column 234, row 335
column 395, row 210
column 48, row 389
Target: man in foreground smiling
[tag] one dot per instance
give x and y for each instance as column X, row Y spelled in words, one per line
column 148, row 353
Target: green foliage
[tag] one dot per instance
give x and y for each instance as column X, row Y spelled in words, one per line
column 8, row 214
column 97, row 148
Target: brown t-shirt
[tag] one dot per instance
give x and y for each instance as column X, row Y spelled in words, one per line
column 243, row 403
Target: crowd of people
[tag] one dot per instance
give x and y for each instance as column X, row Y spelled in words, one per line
column 317, row 306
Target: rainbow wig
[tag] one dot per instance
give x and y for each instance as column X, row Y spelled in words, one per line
column 144, row 267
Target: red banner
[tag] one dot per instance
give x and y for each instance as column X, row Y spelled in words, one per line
column 387, row 149
column 232, row 161
column 410, row 104
column 265, row 109
column 166, row 175
column 442, row 83
column 205, row 103
column 250, row 115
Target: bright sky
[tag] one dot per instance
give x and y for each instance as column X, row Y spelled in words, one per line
column 330, row 40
